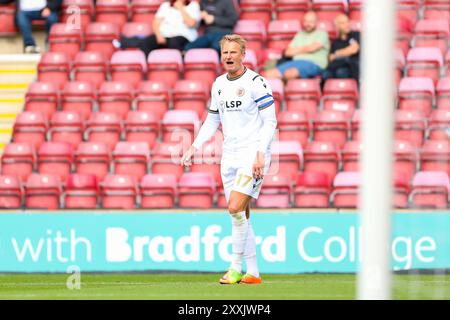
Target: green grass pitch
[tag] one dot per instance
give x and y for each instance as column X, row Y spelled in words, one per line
column 180, row 286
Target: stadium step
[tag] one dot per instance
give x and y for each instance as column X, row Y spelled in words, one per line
column 17, row 71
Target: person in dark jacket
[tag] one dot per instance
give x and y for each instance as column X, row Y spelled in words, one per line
column 219, row 18
column 29, row 10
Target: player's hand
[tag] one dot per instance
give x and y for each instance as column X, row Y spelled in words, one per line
column 258, row 165
column 187, row 156
column 209, row 19
column 46, row 12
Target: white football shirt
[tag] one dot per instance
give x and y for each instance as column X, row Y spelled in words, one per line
column 238, row 102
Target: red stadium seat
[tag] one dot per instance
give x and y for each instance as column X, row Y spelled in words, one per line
column 408, row 9
column 118, row 191
column 42, row 97
column 322, row 157
column 115, row 97
column 153, row 96
column 331, row 126
column 66, row 126
column 55, row 158
column 355, row 124
column 30, row 127
column 65, row 38
column 10, row 191
column 104, row 127
column 166, row 158
column 158, row 191
column 90, row 66
column 112, row 11
column 275, row 192
column 142, row 126
column 416, row 93
column 18, row 160
column 430, row 190
column 196, row 190
column 355, row 9
column 277, row 87
column 81, row 191
column 405, row 158
column 435, row 156
column 436, row 10
column 401, row 190
column 410, row 125
column 201, row 65
column 346, row 189
column 287, row 158
column 77, row 13
column 291, row 9
column 54, row 67
column 78, row 96
column 438, row 124
column 7, row 16
column 144, row 10
column 254, row 31
column 405, row 28
column 340, row 95
column 351, row 155
column 208, row 158
column 329, row 27
column 256, row 10
column 128, row 66
column 43, row 191
column 93, row 158
column 424, row 62
column 99, row 37
column 164, row 65
column 190, row 95
column 432, row 33
column 312, row 190
column 447, row 62
column 303, row 95
column 329, row 9
column 294, row 125
column 179, row 126
column 443, row 93
column 281, row 32
column 131, row 158
column 136, row 29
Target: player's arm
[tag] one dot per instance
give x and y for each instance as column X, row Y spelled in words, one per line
column 207, row 130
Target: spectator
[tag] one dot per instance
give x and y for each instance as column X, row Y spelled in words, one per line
column 308, row 50
column 175, row 24
column 30, row 10
column 344, row 54
column 219, row 17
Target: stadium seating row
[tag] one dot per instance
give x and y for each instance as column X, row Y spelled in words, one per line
column 198, row 190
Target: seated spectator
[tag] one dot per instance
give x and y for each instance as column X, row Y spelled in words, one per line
column 308, row 50
column 344, row 54
column 175, row 24
column 30, row 10
column 219, row 18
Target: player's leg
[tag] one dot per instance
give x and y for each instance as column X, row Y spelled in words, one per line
column 237, row 206
column 252, row 274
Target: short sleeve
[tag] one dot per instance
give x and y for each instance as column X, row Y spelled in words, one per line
column 162, row 10
column 354, row 37
column 262, row 93
column 193, row 9
column 324, row 40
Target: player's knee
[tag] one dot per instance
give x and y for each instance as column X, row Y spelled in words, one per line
column 234, row 207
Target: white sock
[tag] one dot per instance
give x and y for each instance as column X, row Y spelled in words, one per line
column 239, row 235
column 250, row 253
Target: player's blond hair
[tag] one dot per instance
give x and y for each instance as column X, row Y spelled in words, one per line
column 234, row 38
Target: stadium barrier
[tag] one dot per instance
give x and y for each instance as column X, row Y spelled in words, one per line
column 287, row 241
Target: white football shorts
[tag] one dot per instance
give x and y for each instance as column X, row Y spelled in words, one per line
column 236, row 172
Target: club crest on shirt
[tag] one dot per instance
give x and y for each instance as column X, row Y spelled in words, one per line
column 240, row 92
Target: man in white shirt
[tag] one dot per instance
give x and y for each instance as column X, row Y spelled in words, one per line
column 29, row 10
column 242, row 101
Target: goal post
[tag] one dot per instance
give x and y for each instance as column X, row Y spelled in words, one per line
column 377, row 108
